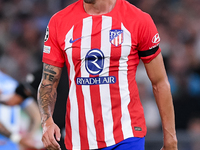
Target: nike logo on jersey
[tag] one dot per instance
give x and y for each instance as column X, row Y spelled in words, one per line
column 72, row 41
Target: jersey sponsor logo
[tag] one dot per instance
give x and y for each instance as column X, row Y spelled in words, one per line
column 72, row 41
column 46, row 35
column 47, row 49
column 94, row 61
column 94, row 64
column 116, row 37
column 96, row 80
column 156, row 38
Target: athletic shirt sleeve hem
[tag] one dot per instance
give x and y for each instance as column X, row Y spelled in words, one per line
column 148, row 59
column 53, row 54
column 54, row 63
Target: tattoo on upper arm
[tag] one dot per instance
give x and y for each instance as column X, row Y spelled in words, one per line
column 48, row 76
column 49, row 68
column 47, row 91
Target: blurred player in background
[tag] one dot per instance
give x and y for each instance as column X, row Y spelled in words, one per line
column 10, row 133
column 101, row 43
column 29, row 88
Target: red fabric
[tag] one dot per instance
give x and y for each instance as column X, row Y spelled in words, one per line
column 118, row 36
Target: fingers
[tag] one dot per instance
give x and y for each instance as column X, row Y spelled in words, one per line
column 54, row 143
column 53, row 140
column 50, row 143
column 45, row 141
column 57, row 133
column 49, row 140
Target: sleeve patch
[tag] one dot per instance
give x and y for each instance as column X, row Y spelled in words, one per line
column 46, row 35
column 46, row 49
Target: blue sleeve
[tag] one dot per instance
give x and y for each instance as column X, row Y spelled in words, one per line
column 26, row 102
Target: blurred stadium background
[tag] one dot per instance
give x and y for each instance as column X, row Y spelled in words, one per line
column 22, row 29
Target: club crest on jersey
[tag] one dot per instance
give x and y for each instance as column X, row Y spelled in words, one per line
column 116, row 37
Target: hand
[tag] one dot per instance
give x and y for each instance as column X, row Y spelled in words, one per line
column 170, row 144
column 169, row 148
column 49, row 130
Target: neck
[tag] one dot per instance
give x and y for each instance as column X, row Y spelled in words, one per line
column 98, row 7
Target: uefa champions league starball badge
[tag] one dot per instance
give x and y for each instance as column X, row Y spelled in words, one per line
column 46, row 35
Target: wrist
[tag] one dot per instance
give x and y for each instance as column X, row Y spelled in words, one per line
column 47, row 122
column 170, row 141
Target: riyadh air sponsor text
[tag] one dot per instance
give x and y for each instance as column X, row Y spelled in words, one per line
column 96, row 80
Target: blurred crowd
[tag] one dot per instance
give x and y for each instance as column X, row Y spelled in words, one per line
column 22, row 29
column 178, row 23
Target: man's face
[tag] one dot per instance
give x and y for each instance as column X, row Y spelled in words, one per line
column 90, row 1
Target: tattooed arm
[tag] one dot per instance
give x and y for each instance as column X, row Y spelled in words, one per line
column 46, row 99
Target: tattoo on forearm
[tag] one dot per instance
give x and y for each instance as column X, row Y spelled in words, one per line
column 49, row 68
column 48, row 76
column 47, row 91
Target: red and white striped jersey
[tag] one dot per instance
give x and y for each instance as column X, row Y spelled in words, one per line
column 101, row 53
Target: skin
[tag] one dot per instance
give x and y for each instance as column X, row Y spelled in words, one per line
column 4, row 131
column 33, row 112
column 15, row 99
column 98, row 7
column 27, row 139
column 34, row 116
column 46, row 99
column 162, row 93
column 47, row 91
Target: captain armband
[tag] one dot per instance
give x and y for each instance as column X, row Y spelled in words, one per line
column 148, row 52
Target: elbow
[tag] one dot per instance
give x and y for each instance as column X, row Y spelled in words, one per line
column 162, row 84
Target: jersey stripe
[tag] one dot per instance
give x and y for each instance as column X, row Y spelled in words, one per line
column 85, row 45
column 104, row 88
column 95, row 92
column 114, row 90
column 68, row 127
column 123, row 80
column 77, row 54
column 74, row 116
column 101, row 112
